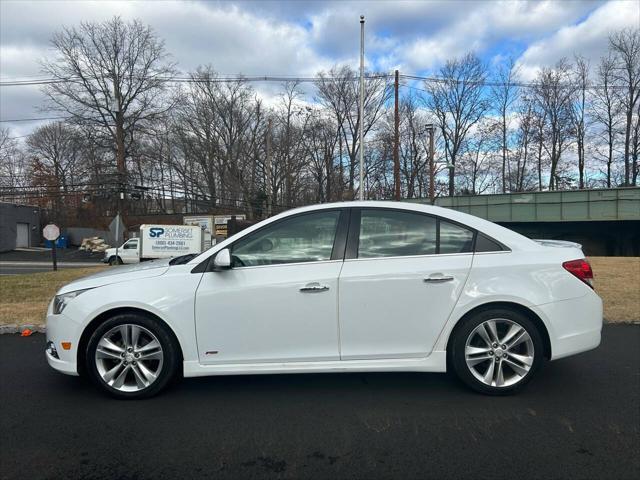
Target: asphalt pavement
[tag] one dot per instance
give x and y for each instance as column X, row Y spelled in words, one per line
column 580, row 418
column 37, row 260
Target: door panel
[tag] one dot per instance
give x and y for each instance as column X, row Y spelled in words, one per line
column 397, row 289
column 388, row 310
column 260, row 314
column 279, row 301
column 129, row 252
column 22, row 235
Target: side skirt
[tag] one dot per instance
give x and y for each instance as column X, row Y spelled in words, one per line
column 435, row 362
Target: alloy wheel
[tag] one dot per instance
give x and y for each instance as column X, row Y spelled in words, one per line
column 499, row 352
column 129, row 358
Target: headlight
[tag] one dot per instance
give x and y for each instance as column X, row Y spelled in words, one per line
column 60, row 302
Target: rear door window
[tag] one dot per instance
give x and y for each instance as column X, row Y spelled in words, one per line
column 391, row 233
column 455, row 238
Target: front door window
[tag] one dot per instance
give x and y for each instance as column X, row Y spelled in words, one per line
column 301, row 239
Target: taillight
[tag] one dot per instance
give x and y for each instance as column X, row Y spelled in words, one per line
column 581, row 269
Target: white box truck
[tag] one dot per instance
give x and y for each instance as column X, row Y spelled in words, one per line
column 158, row 241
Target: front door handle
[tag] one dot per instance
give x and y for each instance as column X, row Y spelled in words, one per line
column 438, row 278
column 314, row 287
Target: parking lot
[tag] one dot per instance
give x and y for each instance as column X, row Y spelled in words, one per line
column 579, row 418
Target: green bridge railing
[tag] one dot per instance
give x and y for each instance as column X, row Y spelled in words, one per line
column 555, row 206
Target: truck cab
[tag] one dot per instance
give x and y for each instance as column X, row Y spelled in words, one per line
column 129, row 252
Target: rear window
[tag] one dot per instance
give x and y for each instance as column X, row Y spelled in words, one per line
column 486, row 244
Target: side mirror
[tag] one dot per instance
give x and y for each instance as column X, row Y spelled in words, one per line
column 222, row 260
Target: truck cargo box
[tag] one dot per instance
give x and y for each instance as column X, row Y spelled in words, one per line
column 163, row 241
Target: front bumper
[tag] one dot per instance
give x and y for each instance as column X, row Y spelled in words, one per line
column 61, row 329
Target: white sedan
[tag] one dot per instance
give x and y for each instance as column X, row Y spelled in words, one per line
column 343, row 287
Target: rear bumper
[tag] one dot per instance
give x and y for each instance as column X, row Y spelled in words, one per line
column 574, row 325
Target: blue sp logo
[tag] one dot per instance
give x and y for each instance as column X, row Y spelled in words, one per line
column 156, row 232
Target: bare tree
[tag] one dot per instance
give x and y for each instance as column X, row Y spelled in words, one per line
column 479, row 161
column 504, row 93
column 625, row 46
column 605, row 109
column 110, row 77
column 338, row 92
column 293, row 119
column 458, row 103
column 321, row 141
column 581, row 81
column 55, row 154
column 525, row 136
column 13, row 171
column 220, row 125
column 554, row 93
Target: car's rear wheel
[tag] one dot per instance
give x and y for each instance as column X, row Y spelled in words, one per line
column 497, row 351
column 131, row 356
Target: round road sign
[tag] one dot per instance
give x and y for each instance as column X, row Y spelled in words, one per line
column 51, row 232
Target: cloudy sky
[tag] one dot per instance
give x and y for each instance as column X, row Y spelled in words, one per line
column 303, row 37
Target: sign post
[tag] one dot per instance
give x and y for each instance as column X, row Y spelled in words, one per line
column 51, row 232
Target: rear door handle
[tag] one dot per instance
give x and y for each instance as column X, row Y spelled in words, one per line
column 438, row 278
column 314, row 287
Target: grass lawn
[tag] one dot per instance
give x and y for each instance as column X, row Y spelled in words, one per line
column 617, row 281
column 24, row 298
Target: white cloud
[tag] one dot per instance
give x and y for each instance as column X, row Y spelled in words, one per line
column 301, row 38
column 487, row 24
column 587, row 38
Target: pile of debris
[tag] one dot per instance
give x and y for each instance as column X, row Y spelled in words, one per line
column 94, row 245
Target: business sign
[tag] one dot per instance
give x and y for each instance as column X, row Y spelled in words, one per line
column 221, row 221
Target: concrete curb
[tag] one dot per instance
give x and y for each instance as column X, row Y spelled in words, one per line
column 13, row 328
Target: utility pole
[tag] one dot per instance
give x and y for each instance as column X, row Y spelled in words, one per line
column 396, row 141
column 120, row 164
column 361, row 107
column 432, row 170
column 267, row 167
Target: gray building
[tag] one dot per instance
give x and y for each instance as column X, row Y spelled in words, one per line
column 19, row 226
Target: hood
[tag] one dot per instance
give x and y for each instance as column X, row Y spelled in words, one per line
column 122, row 273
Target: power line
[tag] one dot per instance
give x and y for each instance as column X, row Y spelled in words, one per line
column 298, row 79
column 198, row 79
column 488, row 83
column 34, row 119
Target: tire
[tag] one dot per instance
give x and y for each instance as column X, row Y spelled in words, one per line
column 494, row 370
column 131, row 356
column 115, row 261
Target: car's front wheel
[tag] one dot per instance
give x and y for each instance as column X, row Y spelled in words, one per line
column 497, row 351
column 115, row 261
column 131, row 356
